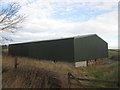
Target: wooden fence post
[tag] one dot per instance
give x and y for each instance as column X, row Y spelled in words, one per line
column 95, row 61
column 69, row 83
column 86, row 62
column 73, row 77
column 15, row 62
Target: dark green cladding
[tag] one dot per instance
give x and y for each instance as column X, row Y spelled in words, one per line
column 89, row 47
column 61, row 50
column 69, row 49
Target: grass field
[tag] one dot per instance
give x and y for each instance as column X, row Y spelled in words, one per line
column 32, row 73
column 113, row 52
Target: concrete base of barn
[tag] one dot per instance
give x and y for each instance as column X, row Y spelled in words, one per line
column 81, row 63
column 85, row 63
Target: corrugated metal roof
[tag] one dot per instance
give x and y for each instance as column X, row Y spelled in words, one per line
column 83, row 36
column 79, row 36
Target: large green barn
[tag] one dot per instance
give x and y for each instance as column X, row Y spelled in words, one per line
column 73, row 49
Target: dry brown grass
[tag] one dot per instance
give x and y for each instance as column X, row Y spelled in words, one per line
column 61, row 67
column 33, row 73
column 31, row 78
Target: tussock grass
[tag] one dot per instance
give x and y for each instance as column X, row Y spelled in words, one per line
column 61, row 67
column 31, row 78
column 33, row 73
column 29, row 75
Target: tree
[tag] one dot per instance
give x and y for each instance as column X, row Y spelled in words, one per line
column 9, row 19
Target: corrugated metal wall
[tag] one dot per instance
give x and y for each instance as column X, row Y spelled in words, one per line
column 71, row 49
column 51, row 50
column 91, row 47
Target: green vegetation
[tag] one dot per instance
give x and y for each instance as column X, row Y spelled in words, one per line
column 112, row 52
column 103, row 72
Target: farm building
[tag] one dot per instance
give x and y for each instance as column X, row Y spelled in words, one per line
column 73, row 49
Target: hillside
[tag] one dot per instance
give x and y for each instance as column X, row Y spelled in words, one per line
column 32, row 73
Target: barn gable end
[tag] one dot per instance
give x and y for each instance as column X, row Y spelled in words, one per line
column 89, row 47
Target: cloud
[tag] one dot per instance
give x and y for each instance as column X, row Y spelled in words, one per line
column 40, row 23
column 10, row 1
column 104, row 25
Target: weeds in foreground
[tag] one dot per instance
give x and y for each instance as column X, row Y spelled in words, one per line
column 32, row 73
